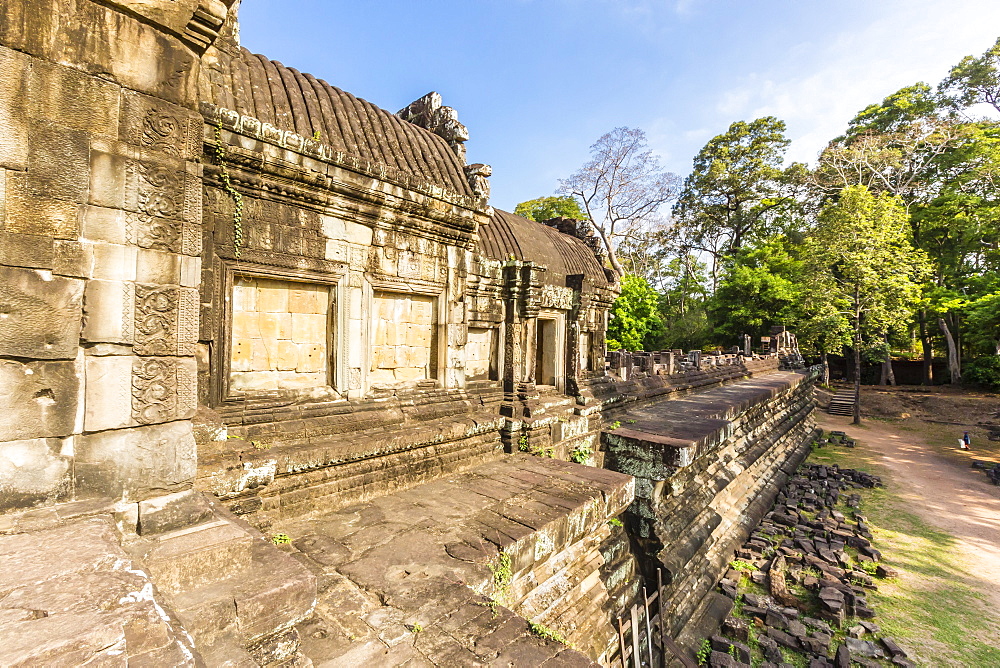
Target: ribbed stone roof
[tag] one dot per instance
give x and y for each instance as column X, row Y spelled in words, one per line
column 290, row 100
column 509, row 235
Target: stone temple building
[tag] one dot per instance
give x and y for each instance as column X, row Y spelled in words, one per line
column 278, row 386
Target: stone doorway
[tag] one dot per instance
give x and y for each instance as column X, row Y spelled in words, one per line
column 548, row 347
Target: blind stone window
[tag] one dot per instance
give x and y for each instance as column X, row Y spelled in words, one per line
column 280, row 335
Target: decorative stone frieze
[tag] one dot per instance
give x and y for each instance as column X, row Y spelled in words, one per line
column 554, row 296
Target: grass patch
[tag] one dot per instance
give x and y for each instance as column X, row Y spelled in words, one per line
column 934, row 609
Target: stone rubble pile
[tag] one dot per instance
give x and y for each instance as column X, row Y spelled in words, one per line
column 814, row 558
column 991, row 469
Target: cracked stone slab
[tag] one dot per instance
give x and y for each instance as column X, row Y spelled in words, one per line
column 87, row 604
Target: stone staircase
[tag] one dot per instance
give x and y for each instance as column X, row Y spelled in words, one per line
column 236, row 594
column 842, row 403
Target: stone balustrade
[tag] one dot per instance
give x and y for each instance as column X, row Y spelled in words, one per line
column 627, row 365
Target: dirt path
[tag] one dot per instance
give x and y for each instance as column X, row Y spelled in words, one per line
column 944, row 494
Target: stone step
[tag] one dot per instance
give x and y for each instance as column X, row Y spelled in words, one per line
column 193, row 557
column 249, row 609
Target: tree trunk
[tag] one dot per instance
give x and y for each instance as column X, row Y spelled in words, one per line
column 928, row 349
column 857, row 355
column 826, row 368
column 954, row 365
column 612, row 255
column 956, row 330
column 887, row 372
column 888, row 376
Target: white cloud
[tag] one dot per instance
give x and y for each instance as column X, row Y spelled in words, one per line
column 824, row 83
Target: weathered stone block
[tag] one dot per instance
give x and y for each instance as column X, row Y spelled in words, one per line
column 98, row 223
column 111, row 262
column 190, row 272
column 164, row 389
column 39, row 314
column 172, row 511
column 124, row 391
column 27, row 213
column 108, row 393
column 58, row 162
column 107, row 178
column 73, row 99
column 160, row 126
column 153, row 266
column 288, row 356
column 33, row 471
column 39, row 399
column 138, row 463
column 26, row 250
column 14, row 70
column 308, row 328
column 69, row 259
column 109, row 308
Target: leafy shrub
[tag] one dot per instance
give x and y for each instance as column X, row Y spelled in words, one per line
column 983, row 372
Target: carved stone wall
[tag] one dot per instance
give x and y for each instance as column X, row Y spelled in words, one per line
column 100, row 244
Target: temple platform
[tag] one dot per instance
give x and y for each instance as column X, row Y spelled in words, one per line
column 449, row 572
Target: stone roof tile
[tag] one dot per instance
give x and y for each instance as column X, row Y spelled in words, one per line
column 509, row 235
column 291, row 100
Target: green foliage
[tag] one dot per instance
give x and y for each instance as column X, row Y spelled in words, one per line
column 614, row 425
column 760, row 287
column 280, row 538
column 860, row 262
column 895, row 112
column 546, row 633
column 614, row 522
column 742, row 566
column 704, row 651
column 557, row 206
column 983, row 372
column 502, row 576
column 580, row 454
column 738, row 185
column 869, row 567
column 219, row 149
column 416, row 628
column 633, row 315
column 975, row 80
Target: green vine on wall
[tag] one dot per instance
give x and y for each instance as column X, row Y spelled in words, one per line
column 227, row 187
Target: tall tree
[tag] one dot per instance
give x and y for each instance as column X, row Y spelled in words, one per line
column 759, row 288
column 633, row 315
column 545, row 208
column 916, row 145
column 860, row 256
column 975, row 80
column 622, row 187
column 738, row 186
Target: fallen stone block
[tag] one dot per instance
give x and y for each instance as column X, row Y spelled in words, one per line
column 864, row 648
column 893, row 648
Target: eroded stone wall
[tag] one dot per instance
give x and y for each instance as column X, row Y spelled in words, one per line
column 707, row 467
column 100, row 238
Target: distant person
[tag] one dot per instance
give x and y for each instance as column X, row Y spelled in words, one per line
column 966, row 441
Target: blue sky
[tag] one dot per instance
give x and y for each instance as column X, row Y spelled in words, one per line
column 538, row 81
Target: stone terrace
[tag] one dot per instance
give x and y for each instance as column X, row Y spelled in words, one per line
column 680, row 429
column 408, row 578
